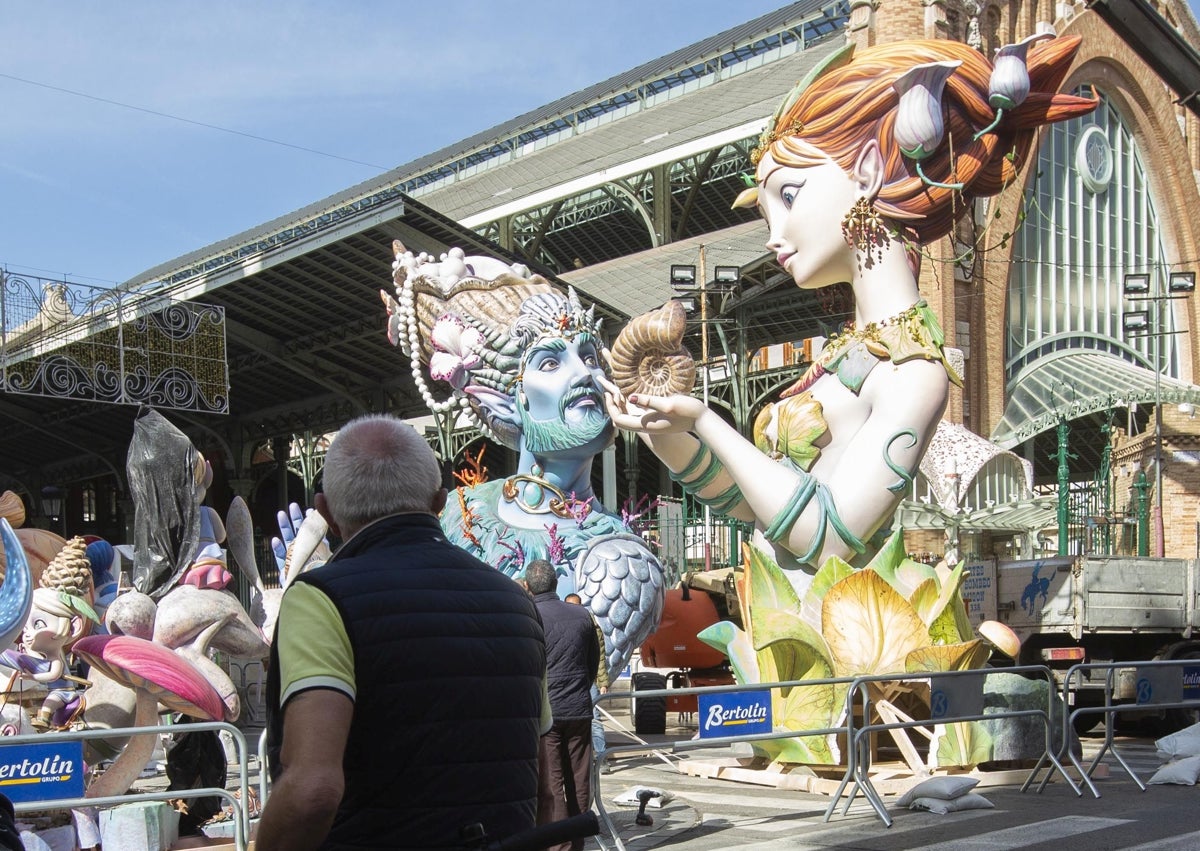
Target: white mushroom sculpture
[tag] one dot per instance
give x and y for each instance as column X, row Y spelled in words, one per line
column 156, row 675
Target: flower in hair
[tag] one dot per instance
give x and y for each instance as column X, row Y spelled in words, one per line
column 1009, row 84
column 456, row 350
column 919, row 123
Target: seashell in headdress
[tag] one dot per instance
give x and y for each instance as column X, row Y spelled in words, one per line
column 494, row 300
column 648, row 356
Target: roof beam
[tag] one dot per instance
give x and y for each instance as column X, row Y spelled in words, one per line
column 269, row 347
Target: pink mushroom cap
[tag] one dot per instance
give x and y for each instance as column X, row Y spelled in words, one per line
column 144, row 665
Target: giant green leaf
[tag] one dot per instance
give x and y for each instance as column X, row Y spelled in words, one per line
column 765, row 585
column 830, row 573
column 774, row 626
column 924, row 600
column 910, row 574
column 814, row 750
column 733, row 641
column 950, row 614
column 965, row 743
column 868, row 627
column 889, row 557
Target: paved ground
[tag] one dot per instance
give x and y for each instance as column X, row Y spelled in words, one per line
column 714, row 815
column 707, row 815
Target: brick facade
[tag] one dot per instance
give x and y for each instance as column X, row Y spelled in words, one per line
column 974, row 299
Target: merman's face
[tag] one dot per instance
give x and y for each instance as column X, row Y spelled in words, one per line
column 804, row 209
column 560, row 402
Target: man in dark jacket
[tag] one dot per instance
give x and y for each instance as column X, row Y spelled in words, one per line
column 406, row 691
column 572, row 654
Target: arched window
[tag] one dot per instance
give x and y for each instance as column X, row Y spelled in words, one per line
column 1089, row 220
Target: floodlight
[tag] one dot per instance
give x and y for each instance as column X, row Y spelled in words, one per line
column 1137, row 284
column 683, row 277
column 728, row 275
column 1181, row 282
column 1136, row 321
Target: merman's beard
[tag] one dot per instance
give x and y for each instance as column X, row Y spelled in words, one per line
column 542, row 437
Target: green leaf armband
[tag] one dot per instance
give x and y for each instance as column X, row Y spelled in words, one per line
column 792, row 509
column 711, row 471
column 725, row 501
column 698, row 460
column 827, row 514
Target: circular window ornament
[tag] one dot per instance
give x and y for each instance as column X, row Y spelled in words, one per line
column 1094, row 159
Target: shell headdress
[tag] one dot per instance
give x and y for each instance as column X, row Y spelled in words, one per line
column 470, row 320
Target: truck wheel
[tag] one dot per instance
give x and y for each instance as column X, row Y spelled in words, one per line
column 649, row 713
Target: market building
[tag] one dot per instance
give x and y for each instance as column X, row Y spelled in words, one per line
column 1067, row 297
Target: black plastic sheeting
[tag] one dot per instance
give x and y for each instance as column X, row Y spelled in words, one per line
column 165, row 479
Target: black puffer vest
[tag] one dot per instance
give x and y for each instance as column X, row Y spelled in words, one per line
column 572, row 654
column 448, row 658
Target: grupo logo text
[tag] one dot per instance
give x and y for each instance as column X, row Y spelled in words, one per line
column 719, row 716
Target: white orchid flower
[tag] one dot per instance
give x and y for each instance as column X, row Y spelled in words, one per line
column 919, row 123
column 456, row 348
column 1009, row 84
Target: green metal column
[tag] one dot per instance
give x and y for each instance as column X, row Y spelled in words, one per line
column 1064, row 484
column 1141, row 485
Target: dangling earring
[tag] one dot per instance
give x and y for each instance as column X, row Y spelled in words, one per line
column 863, row 230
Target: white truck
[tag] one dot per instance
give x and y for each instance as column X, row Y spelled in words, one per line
column 1068, row 610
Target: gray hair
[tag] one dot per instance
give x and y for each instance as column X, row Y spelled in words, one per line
column 540, row 576
column 378, row 465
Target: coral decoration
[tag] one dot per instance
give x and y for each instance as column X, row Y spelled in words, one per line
column 557, row 550
column 468, row 517
column 208, row 573
column 475, row 473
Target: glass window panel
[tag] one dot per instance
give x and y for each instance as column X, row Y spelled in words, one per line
column 1074, row 247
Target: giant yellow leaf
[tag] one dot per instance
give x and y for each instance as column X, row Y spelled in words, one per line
column 868, row 627
column 924, row 600
column 948, row 657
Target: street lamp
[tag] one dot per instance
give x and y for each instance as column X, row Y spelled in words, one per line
column 1138, row 323
column 684, row 282
column 52, row 503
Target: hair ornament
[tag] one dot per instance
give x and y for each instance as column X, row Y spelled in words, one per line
column 795, row 127
column 1009, row 84
column 919, row 124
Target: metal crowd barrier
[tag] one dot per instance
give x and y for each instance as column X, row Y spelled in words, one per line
column 241, row 811
column 676, row 745
column 1156, row 688
column 955, row 696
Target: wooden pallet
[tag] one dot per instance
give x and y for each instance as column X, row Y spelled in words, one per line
column 890, row 778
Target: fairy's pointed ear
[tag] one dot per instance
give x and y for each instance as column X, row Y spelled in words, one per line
column 869, row 169
column 499, row 405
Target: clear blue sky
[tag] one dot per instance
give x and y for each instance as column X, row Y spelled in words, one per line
column 100, row 193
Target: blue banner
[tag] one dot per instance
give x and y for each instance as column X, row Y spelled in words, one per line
column 742, row 713
column 35, row 771
column 1191, row 682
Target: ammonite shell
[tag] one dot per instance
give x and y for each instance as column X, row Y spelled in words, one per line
column 648, row 356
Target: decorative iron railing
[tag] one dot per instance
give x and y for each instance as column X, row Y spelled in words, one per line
column 76, row 341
